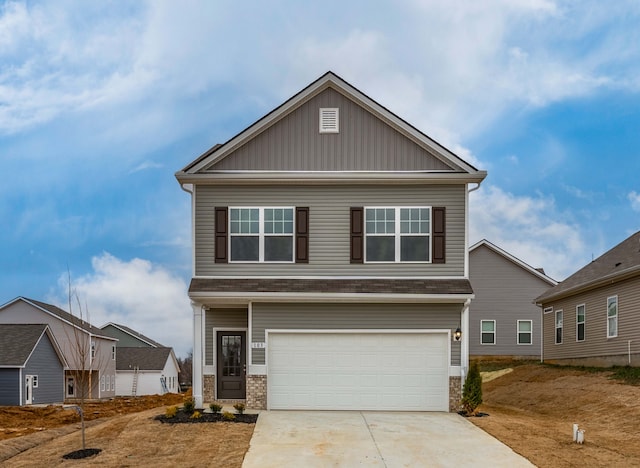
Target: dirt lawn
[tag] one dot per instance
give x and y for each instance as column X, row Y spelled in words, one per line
column 533, row 408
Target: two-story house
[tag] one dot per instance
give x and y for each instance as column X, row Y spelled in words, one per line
column 330, row 261
column 90, row 355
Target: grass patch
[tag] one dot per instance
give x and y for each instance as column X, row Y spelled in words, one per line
column 629, row 375
column 586, row 369
column 492, row 366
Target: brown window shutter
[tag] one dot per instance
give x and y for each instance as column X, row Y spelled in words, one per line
column 222, row 234
column 357, row 235
column 439, row 234
column 302, row 235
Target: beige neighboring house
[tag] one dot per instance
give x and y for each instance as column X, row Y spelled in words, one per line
column 593, row 317
column 504, row 321
column 90, row 355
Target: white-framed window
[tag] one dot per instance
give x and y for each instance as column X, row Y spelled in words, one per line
column 558, row 339
column 71, row 387
column 400, row 234
column 329, row 120
column 34, row 381
column 581, row 318
column 108, row 383
column 113, row 352
column 93, row 349
column 102, row 383
column 487, row 332
column 612, row 317
column 525, row 332
column 261, row 234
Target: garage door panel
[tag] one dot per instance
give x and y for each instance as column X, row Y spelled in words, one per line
column 379, row 371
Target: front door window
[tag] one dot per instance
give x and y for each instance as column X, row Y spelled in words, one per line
column 231, row 364
column 231, row 349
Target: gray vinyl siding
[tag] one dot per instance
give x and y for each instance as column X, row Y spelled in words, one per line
column 221, row 318
column 329, row 228
column 505, row 293
column 44, row 363
column 596, row 342
column 9, row 387
column 353, row 316
column 364, row 143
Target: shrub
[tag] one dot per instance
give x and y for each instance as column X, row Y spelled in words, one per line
column 239, row 408
column 227, row 416
column 215, row 408
column 171, row 412
column 472, row 392
column 196, row 415
column 189, row 406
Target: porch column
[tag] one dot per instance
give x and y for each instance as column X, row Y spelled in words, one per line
column 198, row 354
column 464, row 356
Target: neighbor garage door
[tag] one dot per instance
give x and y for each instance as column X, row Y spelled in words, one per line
column 358, row 371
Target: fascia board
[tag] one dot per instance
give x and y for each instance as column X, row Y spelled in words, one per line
column 330, row 297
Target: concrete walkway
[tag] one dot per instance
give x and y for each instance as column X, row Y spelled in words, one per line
column 376, row 439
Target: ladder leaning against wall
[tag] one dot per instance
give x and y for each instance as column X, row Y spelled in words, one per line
column 134, row 387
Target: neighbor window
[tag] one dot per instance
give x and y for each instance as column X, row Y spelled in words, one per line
column 525, row 331
column 34, row 381
column 398, row 234
column 93, row 349
column 580, row 321
column 102, row 383
column 71, row 386
column 113, row 352
column 108, row 385
column 612, row 317
column 113, row 382
column 261, row 234
column 488, row 331
column 558, row 326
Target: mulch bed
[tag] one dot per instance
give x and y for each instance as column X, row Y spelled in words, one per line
column 182, row 417
column 83, row 453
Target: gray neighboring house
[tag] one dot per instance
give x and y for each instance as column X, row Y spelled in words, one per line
column 90, row 355
column 330, row 260
column 593, row 317
column 143, row 366
column 31, row 366
column 504, row 321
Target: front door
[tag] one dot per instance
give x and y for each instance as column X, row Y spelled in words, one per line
column 231, row 365
column 28, row 390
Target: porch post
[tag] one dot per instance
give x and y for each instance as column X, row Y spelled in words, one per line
column 198, row 354
column 464, row 356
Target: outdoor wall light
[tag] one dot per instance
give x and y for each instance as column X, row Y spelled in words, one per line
column 458, row 334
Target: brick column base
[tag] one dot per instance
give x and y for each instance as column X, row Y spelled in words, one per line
column 257, row 392
column 455, row 394
column 208, row 392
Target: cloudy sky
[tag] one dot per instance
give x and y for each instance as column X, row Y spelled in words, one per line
column 102, row 102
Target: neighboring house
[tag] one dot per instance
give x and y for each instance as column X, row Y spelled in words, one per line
column 143, row 366
column 504, row 321
column 330, row 260
column 90, row 355
column 31, row 366
column 146, row 371
column 593, row 317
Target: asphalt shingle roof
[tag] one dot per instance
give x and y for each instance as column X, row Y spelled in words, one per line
column 621, row 261
column 17, row 342
column 143, row 358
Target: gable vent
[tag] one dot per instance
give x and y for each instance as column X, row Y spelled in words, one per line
column 329, row 120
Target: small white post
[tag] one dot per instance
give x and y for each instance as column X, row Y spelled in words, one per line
column 575, row 432
column 580, row 436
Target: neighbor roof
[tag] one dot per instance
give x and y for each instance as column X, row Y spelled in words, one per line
column 331, row 80
column 133, row 333
column 142, row 358
column 621, row 262
column 17, row 342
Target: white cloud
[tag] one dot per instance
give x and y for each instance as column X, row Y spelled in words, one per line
column 634, row 198
column 531, row 228
column 135, row 293
column 145, row 165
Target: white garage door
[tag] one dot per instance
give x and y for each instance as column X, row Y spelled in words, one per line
column 358, row 371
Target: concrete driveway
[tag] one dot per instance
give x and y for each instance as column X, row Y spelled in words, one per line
column 376, row 439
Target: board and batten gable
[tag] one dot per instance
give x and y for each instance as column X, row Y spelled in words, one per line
column 364, row 143
column 505, row 292
column 597, row 348
column 341, row 316
column 329, row 228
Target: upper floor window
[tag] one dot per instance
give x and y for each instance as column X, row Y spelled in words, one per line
column 488, row 331
column 398, row 234
column 113, row 352
column 612, row 317
column 525, row 332
column 580, row 322
column 93, row 349
column 261, row 234
column 558, row 326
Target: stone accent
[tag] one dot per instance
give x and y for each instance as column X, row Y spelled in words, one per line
column 209, row 390
column 257, row 392
column 455, row 394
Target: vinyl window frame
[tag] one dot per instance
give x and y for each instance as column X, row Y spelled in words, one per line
column 34, row 381
column 398, row 235
column 530, row 332
column 582, row 323
column 558, row 325
column 262, row 235
column 492, row 332
column 612, row 300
